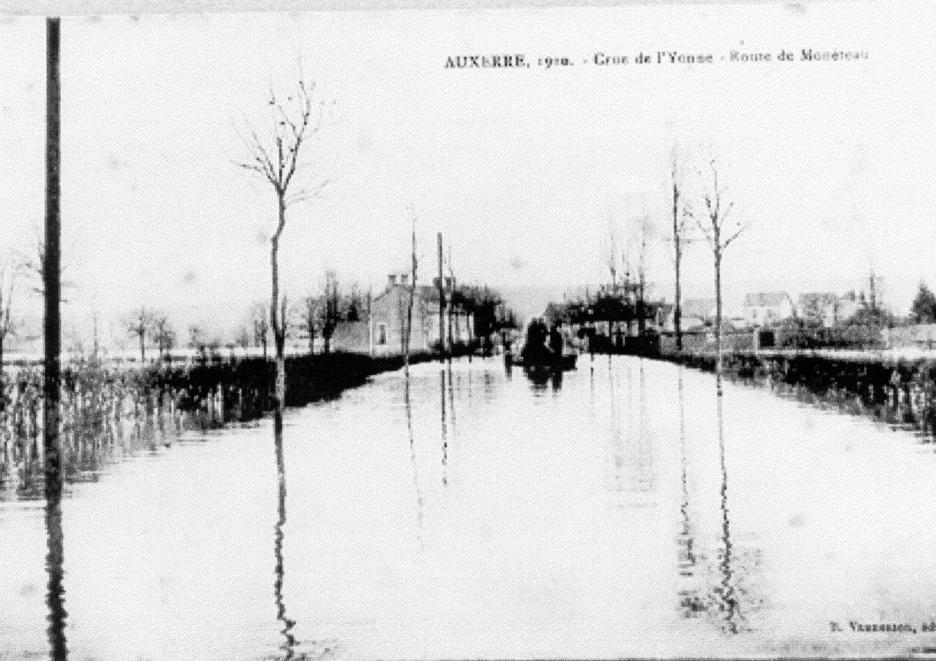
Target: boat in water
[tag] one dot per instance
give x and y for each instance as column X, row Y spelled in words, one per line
column 544, row 362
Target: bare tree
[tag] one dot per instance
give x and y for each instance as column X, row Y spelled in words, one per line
column 163, row 334
column 720, row 235
column 140, row 324
column 243, row 338
column 450, row 308
column 276, row 159
column 408, row 332
column 8, row 322
column 641, row 304
column 331, row 311
column 260, row 324
column 680, row 222
column 311, row 318
column 31, row 264
column 197, row 338
column 612, row 260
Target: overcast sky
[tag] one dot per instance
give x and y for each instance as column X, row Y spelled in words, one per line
column 526, row 172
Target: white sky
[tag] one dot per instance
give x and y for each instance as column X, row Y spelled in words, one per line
column 524, row 171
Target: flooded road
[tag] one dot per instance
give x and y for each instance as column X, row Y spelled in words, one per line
column 621, row 510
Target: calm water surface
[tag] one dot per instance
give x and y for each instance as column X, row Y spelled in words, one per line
column 474, row 513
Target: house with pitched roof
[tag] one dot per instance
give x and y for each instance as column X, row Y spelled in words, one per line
column 766, row 308
column 697, row 312
column 386, row 323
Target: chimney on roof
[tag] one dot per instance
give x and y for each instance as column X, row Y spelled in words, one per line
column 391, row 281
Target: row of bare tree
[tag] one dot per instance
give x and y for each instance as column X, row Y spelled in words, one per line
column 712, row 216
column 700, row 211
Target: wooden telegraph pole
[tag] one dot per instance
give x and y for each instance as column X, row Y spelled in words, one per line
column 52, row 328
column 441, row 302
column 51, row 261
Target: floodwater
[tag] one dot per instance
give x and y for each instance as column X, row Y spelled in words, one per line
column 622, row 511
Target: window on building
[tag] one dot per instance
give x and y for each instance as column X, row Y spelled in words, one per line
column 381, row 333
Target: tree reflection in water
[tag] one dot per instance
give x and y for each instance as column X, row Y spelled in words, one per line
column 55, row 539
column 721, row 598
column 451, row 395
column 444, row 427
column 408, row 409
column 728, row 602
column 449, row 431
column 689, row 600
column 55, row 557
column 289, row 640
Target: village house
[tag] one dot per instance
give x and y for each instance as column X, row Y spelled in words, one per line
column 386, row 321
column 766, row 308
column 696, row 313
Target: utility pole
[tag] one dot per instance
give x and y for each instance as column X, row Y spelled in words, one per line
column 451, row 336
column 642, row 280
column 677, row 256
column 441, row 301
column 52, row 331
column 51, row 261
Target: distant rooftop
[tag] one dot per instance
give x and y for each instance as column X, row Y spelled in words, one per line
column 766, row 299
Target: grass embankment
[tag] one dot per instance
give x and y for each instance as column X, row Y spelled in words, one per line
column 891, row 387
column 111, row 410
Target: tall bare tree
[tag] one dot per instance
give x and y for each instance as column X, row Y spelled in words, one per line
column 277, row 158
column 641, row 304
column 331, row 309
column 197, row 339
column 719, row 234
column 680, row 238
column 311, row 313
column 243, row 338
column 260, row 325
column 140, row 324
column 163, row 334
column 8, row 322
column 408, row 333
column 612, row 259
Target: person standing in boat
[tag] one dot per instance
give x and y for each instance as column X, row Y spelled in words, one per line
column 555, row 342
column 535, row 341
